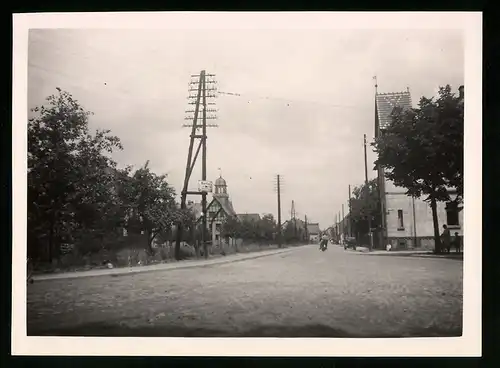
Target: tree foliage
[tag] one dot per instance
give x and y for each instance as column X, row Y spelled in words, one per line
column 365, row 201
column 76, row 194
column 150, row 198
column 268, row 226
column 262, row 230
column 69, row 186
column 422, row 150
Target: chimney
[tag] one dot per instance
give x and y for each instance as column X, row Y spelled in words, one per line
column 461, row 92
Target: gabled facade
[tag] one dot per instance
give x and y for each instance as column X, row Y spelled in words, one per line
column 250, row 217
column 314, row 232
column 300, row 224
column 218, row 210
column 406, row 221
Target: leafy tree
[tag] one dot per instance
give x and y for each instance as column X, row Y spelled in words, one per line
column 365, row 201
column 68, row 178
column 248, row 230
column 267, row 226
column 231, row 227
column 289, row 233
column 153, row 200
column 422, row 151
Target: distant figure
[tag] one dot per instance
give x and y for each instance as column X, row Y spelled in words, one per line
column 446, row 237
column 323, row 245
column 457, row 241
column 388, row 247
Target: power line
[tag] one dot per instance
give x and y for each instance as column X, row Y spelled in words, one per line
column 121, row 56
column 290, row 100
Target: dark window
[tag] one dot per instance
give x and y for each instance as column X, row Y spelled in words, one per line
column 401, row 224
column 452, row 214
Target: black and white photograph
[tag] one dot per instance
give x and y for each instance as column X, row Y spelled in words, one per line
column 248, row 176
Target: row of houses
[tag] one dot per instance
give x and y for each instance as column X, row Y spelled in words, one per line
column 221, row 207
column 310, row 229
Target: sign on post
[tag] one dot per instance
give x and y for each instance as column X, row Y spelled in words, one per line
column 204, row 186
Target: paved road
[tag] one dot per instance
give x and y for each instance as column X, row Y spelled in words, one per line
column 303, row 292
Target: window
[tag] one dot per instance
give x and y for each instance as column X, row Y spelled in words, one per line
column 452, row 214
column 401, row 224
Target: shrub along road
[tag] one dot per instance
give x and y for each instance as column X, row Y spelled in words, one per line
column 301, row 292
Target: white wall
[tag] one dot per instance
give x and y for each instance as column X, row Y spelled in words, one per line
column 423, row 216
column 313, row 238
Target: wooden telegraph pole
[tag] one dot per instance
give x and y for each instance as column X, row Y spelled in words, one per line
column 305, row 228
column 340, row 227
column 367, row 190
column 350, row 214
column 343, row 220
column 336, row 228
column 200, row 87
column 294, row 219
column 278, row 189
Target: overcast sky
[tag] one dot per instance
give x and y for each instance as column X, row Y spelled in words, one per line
column 310, row 130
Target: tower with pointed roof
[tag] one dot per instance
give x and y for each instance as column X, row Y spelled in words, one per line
column 220, row 188
column 219, row 209
column 405, row 221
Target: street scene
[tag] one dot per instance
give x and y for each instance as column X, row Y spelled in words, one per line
column 246, row 183
column 298, row 292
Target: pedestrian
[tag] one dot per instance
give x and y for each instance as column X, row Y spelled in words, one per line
column 446, row 238
column 457, row 242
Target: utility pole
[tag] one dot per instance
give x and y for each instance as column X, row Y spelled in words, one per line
column 293, row 219
column 336, row 227
column 340, row 228
column 204, row 170
column 367, row 190
column 350, row 214
column 200, row 87
column 305, row 227
column 343, row 220
column 278, row 189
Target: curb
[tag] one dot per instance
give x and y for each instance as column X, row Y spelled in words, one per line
column 152, row 268
column 421, row 254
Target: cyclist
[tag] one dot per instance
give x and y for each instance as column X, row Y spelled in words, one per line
column 323, row 245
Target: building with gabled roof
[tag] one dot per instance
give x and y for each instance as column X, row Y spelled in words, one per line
column 250, row 217
column 219, row 209
column 406, row 221
column 314, row 231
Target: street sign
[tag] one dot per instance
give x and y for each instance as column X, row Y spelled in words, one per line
column 204, row 186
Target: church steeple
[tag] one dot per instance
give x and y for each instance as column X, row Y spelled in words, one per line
column 220, row 187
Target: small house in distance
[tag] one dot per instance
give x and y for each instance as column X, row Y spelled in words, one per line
column 249, row 217
column 314, row 232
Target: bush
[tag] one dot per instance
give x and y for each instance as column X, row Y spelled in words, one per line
column 188, row 252
column 165, row 253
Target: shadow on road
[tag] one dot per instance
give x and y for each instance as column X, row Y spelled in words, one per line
column 106, row 330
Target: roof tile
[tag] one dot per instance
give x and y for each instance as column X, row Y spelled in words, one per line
column 387, row 102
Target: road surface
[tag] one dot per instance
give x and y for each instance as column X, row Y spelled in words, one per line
column 299, row 293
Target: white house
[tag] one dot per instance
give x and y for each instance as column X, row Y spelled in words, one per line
column 407, row 222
